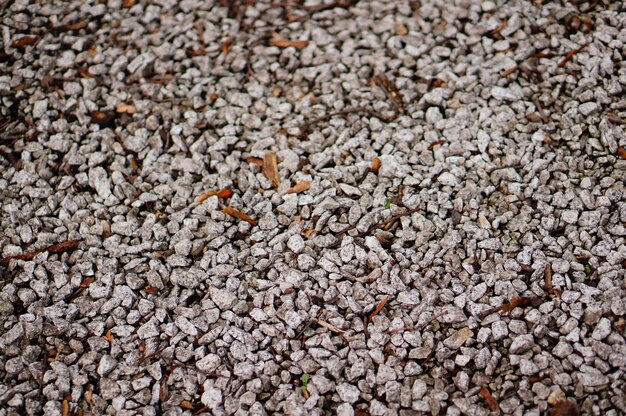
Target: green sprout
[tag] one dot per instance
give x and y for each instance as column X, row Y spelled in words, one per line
column 388, row 204
column 588, row 271
column 304, row 379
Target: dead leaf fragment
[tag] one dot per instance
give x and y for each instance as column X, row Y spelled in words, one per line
column 548, row 277
column 108, row 336
column 299, row 187
column 126, row 108
column 227, row 45
column 621, row 152
column 103, row 118
column 65, row 408
column 437, row 143
column 86, row 282
column 185, row 404
column 517, row 302
column 281, row 42
column 491, row 402
column 376, row 165
column 222, row 194
column 24, row 41
column 127, row 4
column 238, row 214
column 308, row 232
column 401, row 30
column 270, row 168
column 164, row 393
column 391, row 91
column 195, row 52
column 81, row 24
column 255, row 161
column 152, row 290
column 361, row 412
column 89, row 397
column 565, row 408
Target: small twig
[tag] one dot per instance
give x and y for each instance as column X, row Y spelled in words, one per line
column 515, row 302
column 379, row 224
column 305, row 127
column 53, row 249
column 571, row 54
column 323, row 7
column 416, row 328
column 544, row 118
column 391, row 91
column 380, row 306
column 330, row 327
column 154, row 354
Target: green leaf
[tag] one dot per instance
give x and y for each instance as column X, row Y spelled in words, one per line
column 304, row 378
column 588, row 270
column 388, row 204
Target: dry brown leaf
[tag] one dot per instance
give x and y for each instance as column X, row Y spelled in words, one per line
column 517, row 302
column 103, row 118
column 270, row 168
column 127, row 4
column 390, row 90
column 361, row 412
column 548, row 277
column 225, row 193
column 65, row 408
column 227, row 45
column 299, row 187
column 401, row 30
column 222, row 193
column 437, row 143
column 195, row 52
column 86, row 282
column 108, row 336
column 281, row 42
column 308, row 232
column 255, row 161
column 621, row 152
column 126, row 108
column 81, row 24
column 185, row 404
column 164, row 393
column 380, row 306
column 376, row 165
column 620, row 325
column 330, row 327
column 89, row 397
column 565, row 408
column 238, row 214
column 491, row 402
column 151, row 290
column 24, row 41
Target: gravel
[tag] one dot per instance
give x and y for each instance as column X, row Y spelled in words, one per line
column 442, row 231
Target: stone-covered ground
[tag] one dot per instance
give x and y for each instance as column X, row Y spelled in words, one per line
column 367, row 207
